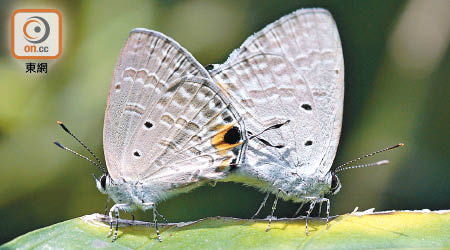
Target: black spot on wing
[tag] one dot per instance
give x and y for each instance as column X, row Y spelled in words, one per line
column 306, row 107
column 232, row 136
column 148, row 124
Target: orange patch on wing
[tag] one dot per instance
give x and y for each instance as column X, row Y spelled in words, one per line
column 218, row 140
column 223, row 165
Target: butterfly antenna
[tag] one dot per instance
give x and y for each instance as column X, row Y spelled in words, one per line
column 379, row 163
column 100, row 164
column 79, row 155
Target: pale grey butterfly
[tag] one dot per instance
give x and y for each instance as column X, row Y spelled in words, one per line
column 269, row 117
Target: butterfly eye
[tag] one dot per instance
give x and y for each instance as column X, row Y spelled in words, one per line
column 103, row 181
column 335, row 183
column 209, row 67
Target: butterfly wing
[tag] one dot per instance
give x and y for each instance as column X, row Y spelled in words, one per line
column 165, row 122
column 291, row 70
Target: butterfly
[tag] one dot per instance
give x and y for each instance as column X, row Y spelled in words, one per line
column 269, row 117
column 292, row 70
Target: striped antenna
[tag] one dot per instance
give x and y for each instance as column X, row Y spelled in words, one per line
column 379, row 163
column 99, row 163
column 77, row 154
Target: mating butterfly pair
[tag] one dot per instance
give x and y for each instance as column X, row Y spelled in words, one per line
column 269, row 117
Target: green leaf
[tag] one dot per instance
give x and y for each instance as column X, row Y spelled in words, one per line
column 358, row 230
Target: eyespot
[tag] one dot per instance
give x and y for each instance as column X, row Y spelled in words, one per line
column 232, row 136
column 308, row 143
column 137, row 153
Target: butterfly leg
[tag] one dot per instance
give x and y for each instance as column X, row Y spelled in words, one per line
column 274, row 206
column 261, row 206
column 110, row 221
column 155, row 218
column 116, row 211
column 115, row 208
column 311, row 207
column 328, row 209
column 299, row 209
column 106, row 206
column 162, row 216
column 320, row 207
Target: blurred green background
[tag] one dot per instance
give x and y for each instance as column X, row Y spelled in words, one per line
column 397, row 90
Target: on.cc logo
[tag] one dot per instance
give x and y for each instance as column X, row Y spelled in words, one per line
column 36, row 29
column 36, row 34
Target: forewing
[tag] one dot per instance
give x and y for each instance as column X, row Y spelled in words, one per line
column 292, row 69
column 162, row 108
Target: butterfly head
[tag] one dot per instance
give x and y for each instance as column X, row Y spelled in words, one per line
column 101, row 183
column 335, row 183
column 297, row 189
